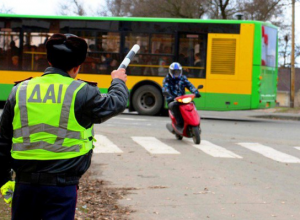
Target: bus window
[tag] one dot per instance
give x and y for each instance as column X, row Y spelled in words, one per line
column 9, row 49
column 103, row 52
column 155, row 55
column 140, row 39
column 34, row 56
column 163, row 48
column 162, row 44
column 192, row 54
column 268, row 46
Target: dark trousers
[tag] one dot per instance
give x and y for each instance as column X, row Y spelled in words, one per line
column 36, row 202
column 174, row 107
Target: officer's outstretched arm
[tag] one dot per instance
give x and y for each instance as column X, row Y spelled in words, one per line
column 100, row 107
column 119, row 74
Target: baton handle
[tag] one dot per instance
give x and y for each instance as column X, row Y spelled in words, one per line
column 129, row 56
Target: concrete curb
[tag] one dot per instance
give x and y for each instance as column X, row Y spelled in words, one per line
column 248, row 115
column 279, row 117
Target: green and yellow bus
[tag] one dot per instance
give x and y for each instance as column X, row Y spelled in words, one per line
column 235, row 60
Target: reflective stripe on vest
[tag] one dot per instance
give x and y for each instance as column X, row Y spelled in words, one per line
column 23, row 112
column 58, row 140
column 9, row 194
column 45, row 146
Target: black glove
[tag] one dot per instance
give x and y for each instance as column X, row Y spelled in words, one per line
column 198, row 95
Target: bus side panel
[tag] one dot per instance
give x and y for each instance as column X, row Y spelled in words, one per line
column 257, row 45
column 229, row 70
column 245, row 52
column 8, row 79
column 5, row 91
column 255, row 87
column 256, row 67
column 265, row 87
column 224, row 102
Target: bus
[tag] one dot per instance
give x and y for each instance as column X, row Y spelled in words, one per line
column 235, row 60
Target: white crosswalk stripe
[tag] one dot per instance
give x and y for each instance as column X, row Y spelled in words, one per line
column 216, row 151
column 270, row 153
column 104, row 145
column 154, row 146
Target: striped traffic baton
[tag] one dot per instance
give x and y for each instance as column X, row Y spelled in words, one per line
column 129, row 56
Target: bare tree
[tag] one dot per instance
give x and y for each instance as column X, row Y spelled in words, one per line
column 71, row 7
column 261, row 10
column 157, row 8
column 221, row 9
column 285, row 50
column 216, row 9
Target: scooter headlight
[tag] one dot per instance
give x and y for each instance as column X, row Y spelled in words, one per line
column 187, row 100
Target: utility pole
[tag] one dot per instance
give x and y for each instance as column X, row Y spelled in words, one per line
column 292, row 98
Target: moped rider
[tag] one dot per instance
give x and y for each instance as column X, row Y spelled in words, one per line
column 174, row 84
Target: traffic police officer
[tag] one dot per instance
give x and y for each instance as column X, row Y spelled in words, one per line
column 46, row 131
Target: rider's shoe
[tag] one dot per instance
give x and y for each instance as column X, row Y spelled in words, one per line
column 170, row 128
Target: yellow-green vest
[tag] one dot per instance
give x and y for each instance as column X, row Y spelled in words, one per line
column 44, row 124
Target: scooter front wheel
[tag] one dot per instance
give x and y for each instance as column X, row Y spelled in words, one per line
column 196, row 135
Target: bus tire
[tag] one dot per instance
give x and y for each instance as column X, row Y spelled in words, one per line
column 147, row 100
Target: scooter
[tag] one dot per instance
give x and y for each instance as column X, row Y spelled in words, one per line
column 191, row 127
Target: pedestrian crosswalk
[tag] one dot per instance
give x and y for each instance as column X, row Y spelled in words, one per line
column 104, row 145
column 216, row 151
column 154, row 146
column 270, row 153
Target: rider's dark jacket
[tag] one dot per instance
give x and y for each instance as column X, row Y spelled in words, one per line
column 90, row 107
column 176, row 87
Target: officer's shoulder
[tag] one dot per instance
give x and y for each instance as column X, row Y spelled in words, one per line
column 89, row 82
column 20, row 81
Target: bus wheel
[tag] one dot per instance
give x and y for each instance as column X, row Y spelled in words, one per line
column 147, row 100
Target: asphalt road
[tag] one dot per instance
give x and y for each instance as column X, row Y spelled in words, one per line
column 243, row 169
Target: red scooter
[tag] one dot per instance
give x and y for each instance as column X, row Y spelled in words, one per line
column 191, row 118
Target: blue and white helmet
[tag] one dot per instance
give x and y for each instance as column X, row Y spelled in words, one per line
column 175, row 70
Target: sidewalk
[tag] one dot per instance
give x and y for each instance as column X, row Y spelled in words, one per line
column 273, row 113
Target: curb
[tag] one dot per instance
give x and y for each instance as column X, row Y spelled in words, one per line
column 279, row 117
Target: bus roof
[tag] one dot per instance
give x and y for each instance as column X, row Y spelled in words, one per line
column 139, row 19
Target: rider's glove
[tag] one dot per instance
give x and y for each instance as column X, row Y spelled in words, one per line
column 197, row 95
column 7, row 190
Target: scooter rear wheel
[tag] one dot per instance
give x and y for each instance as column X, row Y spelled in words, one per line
column 196, row 135
column 178, row 137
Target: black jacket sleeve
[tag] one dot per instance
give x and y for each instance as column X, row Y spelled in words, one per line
column 6, row 133
column 5, row 161
column 96, row 107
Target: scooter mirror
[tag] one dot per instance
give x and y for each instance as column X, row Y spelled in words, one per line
column 200, row 87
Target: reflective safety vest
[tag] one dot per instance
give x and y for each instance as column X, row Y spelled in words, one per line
column 44, row 124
